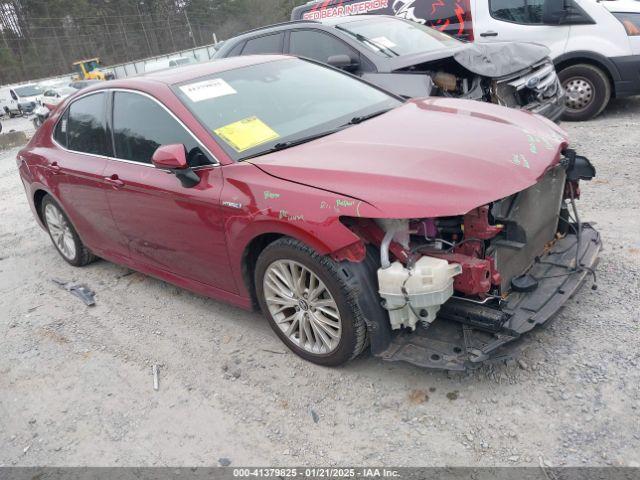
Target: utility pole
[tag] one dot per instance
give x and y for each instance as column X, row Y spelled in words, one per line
column 186, row 16
column 144, row 30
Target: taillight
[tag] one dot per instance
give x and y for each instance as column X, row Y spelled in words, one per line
column 631, row 23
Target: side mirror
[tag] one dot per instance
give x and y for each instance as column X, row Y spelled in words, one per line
column 553, row 12
column 174, row 159
column 170, row 157
column 344, row 62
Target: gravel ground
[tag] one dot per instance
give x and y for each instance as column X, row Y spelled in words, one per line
column 76, row 385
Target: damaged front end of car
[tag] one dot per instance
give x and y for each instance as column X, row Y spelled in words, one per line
column 512, row 75
column 457, row 290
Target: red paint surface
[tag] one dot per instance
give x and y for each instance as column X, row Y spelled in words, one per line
column 427, row 158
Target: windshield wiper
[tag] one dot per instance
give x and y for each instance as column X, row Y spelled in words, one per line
column 298, row 141
column 292, row 143
column 362, row 118
column 363, row 39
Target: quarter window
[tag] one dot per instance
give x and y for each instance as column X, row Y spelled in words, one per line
column 265, row 44
column 527, row 12
column 86, row 130
column 60, row 133
column 318, row 45
column 140, row 126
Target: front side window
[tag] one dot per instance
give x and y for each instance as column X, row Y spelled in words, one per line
column 86, row 129
column 318, row 45
column 525, row 12
column 252, row 109
column 394, row 37
column 265, row 44
column 141, row 125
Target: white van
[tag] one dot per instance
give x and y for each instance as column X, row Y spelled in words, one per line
column 595, row 45
column 164, row 63
column 19, row 99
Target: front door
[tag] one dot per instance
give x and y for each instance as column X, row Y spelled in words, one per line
column 163, row 224
column 517, row 21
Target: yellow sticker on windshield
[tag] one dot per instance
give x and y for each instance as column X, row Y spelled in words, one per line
column 247, row 133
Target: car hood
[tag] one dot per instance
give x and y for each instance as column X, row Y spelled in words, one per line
column 427, row 158
column 495, row 59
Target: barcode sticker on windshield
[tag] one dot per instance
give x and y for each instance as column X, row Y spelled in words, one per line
column 246, row 134
column 383, row 42
column 207, row 89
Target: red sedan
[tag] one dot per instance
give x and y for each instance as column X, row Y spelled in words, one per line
column 434, row 231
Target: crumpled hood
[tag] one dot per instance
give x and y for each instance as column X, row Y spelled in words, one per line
column 495, row 60
column 427, row 158
column 500, row 59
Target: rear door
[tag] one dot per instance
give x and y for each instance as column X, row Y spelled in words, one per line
column 519, row 21
column 163, row 224
column 75, row 168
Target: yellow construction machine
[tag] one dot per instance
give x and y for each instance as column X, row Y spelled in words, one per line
column 90, row 69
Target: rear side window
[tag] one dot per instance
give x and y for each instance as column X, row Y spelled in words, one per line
column 525, row 12
column 141, row 125
column 318, row 45
column 265, row 44
column 86, row 129
column 60, row 133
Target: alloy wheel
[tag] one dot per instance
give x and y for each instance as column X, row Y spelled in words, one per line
column 60, row 231
column 302, row 307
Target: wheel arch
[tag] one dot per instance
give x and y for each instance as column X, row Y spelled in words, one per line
column 593, row 59
column 249, row 258
column 38, row 197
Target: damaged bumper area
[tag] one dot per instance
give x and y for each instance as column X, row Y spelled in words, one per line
column 459, row 291
column 468, row 333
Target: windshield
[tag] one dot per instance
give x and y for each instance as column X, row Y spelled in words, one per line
column 395, row 37
column 28, row 91
column 91, row 65
column 252, row 109
column 65, row 90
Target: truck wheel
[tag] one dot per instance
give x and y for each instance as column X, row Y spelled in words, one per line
column 63, row 235
column 588, row 91
column 310, row 303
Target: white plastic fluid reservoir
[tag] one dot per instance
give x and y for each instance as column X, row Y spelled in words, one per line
column 415, row 295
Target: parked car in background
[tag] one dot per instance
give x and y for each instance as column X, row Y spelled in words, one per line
column 19, row 99
column 53, row 95
column 434, row 230
column 155, row 65
column 413, row 60
column 595, row 45
column 80, row 84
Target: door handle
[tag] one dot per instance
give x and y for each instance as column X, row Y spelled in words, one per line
column 490, row 33
column 114, row 181
column 55, row 168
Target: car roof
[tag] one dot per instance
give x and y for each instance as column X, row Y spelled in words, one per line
column 277, row 27
column 189, row 72
column 185, row 73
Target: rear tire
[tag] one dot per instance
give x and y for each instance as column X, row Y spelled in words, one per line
column 301, row 319
column 588, row 91
column 64, row 235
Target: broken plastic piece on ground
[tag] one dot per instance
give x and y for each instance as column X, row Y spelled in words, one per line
column 83, row 292
column 156, row 377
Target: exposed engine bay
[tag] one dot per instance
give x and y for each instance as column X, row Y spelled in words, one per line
column 457, row 288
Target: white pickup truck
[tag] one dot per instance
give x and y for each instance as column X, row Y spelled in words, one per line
column 595, row 45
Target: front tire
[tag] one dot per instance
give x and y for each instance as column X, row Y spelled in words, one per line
column 64, row 235
column 588, row 91
column 309, row 304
